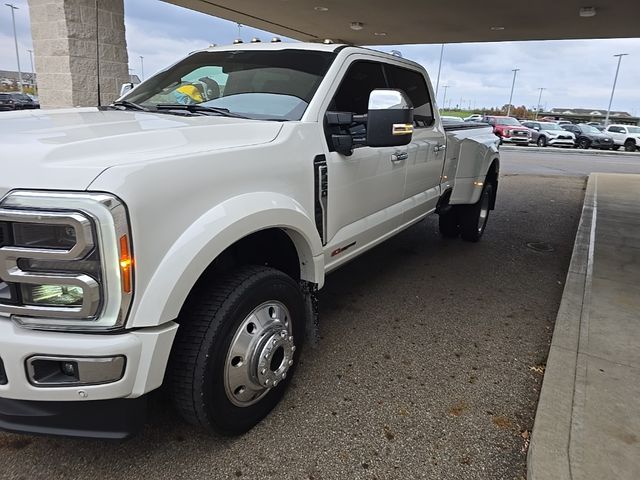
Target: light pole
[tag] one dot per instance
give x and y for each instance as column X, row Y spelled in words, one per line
column 33, row 73
column 444, row 98
column 439, row 68
column 615, row 80
column 15, row 39
column 539, row 98
column 142, row 67
column 513, row 84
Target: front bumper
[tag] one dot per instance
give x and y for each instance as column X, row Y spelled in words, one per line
column 111, row 410
column 146, row 352
column 561, row 142
column 519, row 140
column 107, row 419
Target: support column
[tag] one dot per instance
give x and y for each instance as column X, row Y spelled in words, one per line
column 66, row 51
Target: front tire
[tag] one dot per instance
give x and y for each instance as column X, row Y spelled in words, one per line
column 584, row 144
column 473, row 218
column 630, row 146
column 542, row 141
column 236, row 348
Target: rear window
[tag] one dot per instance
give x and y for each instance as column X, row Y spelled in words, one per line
column 4, row 96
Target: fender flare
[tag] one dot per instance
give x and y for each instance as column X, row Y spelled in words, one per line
column 214, row 232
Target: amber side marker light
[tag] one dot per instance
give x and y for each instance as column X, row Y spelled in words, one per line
column 126, row 264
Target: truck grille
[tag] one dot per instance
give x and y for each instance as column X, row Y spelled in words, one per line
column 3, row 374
column 4, row 233
column 519, row 133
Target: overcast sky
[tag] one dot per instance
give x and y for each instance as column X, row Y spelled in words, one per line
column 574, row 73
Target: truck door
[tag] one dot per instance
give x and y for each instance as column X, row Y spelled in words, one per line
column 365, row 189
column 427, row 147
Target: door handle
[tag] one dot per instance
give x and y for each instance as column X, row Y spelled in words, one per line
column 439, row 148
column 399, row 157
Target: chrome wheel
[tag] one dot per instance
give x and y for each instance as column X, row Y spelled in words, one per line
column 484, row 210
column 260, row 354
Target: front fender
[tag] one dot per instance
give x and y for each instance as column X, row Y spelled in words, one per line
column 215, row 231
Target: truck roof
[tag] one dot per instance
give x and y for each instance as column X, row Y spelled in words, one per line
column 311, row 46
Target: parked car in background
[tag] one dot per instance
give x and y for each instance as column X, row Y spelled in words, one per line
column 23, row 101
column 7, row 102
column 550, row 133
column 476, row 117
column 508, row 129
column 598, row 125
column 35, row 99
column 451, row 118
column 590, row 137
column 626, row 136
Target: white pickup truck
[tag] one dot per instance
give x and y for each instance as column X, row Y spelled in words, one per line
column 179, row 236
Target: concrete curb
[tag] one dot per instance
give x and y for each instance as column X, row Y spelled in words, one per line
column 548, row 456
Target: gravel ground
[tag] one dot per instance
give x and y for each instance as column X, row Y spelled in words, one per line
column 429, row 367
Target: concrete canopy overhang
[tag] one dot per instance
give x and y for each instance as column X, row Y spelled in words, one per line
column 424, row 21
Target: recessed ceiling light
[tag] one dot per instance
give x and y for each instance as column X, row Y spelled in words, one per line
column 321, row 9
column 587, row 11
column 496, row 29
column 356, row 26
column 380, row 34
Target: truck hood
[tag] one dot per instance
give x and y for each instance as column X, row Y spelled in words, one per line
column 66, row 149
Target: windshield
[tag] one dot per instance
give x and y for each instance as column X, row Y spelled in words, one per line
column 270, row 85
column 633, row 129
column 589, row 129
column 20, row 96
column 508, row 121
column 550, row 126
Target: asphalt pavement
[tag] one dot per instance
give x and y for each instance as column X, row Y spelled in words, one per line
column 430, row 365
column 533, row 160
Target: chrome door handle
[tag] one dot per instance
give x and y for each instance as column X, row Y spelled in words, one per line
column 439, row 148
column 399, row 157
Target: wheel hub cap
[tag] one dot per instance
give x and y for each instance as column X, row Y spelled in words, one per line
column 260, row 354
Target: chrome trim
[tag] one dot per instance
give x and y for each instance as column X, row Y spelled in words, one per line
column 11, row 272
column 110, row 220
column 91, row 370
column 388, row 99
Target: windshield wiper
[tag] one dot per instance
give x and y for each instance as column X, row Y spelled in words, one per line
column 130, row 105
column 195, row 108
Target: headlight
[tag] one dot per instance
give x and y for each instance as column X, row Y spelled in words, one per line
column 65, row 261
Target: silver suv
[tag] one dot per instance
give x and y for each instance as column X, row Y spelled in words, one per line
column 549, row 133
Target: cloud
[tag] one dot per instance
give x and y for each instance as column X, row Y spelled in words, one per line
column 574, row 73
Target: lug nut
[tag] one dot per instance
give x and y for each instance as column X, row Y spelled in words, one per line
column 293, row 349
column 291, row 339
column 284, row 375
column 290, row 362
column 275, row 342
column 283, row 333
column 275, row 383
column 263, row 371
column 267, row 382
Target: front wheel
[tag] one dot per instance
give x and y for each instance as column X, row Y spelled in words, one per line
column 236, row 348
column 542, row 142
column 584, row 144
column 629, row 146
column 473, row 218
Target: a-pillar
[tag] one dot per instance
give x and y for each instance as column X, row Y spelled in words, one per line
column 66, row 51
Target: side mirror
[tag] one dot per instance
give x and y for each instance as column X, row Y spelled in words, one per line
column 126, row 88
column 390, row 118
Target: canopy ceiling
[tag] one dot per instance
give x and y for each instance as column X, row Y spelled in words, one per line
column 429, row 21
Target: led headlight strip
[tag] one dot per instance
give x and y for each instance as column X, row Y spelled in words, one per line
column 58, row 294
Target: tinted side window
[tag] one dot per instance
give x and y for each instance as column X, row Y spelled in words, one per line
column 616, row 129
column 361, row 79
column 413, row 84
